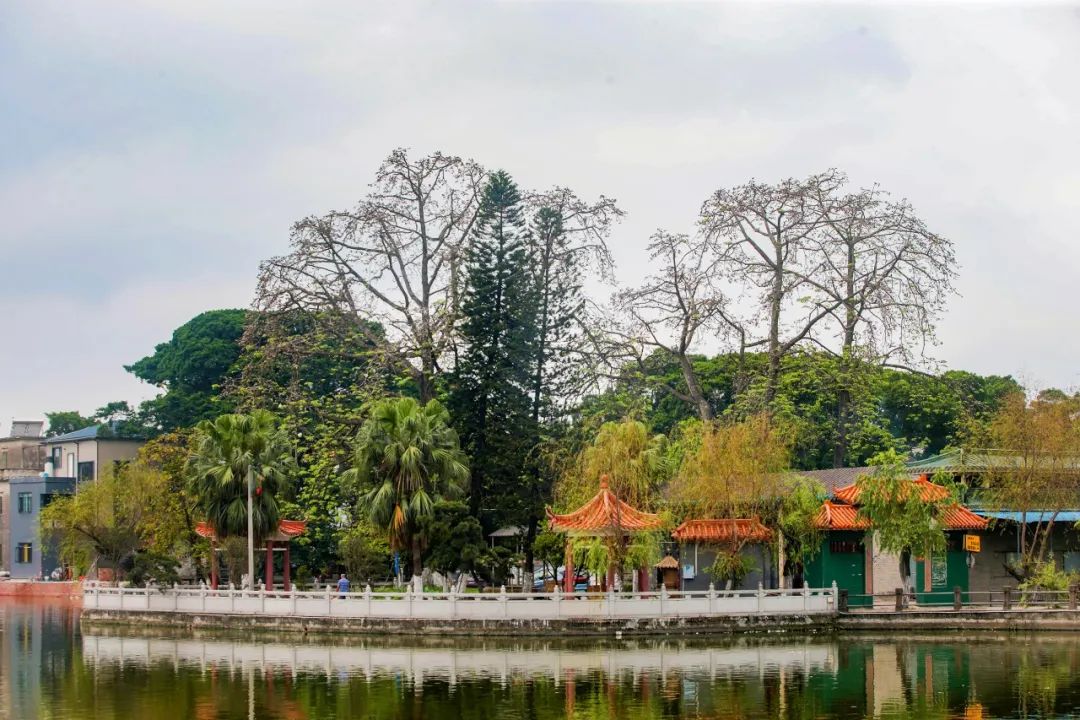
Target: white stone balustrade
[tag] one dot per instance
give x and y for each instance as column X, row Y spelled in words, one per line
column 410, row 605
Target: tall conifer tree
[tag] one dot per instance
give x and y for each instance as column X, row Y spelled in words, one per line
column 491, row 398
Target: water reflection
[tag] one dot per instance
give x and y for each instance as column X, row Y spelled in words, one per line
column 51, row 670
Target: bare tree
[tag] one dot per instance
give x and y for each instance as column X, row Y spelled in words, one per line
column 761, row 235
column 883, row 277
column 671, row 310
column 393, row 259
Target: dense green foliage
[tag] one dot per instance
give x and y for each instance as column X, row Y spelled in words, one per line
column 406, row 459
column 191, row 368
column 490, row 398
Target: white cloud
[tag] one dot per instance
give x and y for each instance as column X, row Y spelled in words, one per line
column 156, row 151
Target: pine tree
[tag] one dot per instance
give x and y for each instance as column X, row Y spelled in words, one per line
column 491, row 395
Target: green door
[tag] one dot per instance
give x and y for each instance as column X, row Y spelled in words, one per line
column 947, row 571
column 842, row 560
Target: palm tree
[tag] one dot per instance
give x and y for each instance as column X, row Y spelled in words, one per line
column 407, row 458
column 239, row 465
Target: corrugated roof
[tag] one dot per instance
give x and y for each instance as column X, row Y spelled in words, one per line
column 836, row 478
column 101, row 431
column 927, row 491
column 1031, row 516
column 722, row 531
column 985, row 460
column 605, row 514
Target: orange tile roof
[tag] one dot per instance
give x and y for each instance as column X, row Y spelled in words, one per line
column 721, row 531
column 958, row 517
column 668, row 563
column 927, row 490
column 834, row 516
column 286, row 530
column 605, row 514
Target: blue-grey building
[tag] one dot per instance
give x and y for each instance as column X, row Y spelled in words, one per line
column 28, row 557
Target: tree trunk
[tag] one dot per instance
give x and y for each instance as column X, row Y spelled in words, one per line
column 776, row 296
column 843, row 397
column 530, row 538
column 417, row 557
column 697, row 396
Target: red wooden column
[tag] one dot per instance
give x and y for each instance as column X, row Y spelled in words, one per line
column 213, row 565
column 269, row 564
column 568, row 573
column 288, row 584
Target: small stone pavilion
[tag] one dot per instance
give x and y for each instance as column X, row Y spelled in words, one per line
column 279, row 540
column 603, row 516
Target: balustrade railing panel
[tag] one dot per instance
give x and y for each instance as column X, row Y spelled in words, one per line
column 449, row 606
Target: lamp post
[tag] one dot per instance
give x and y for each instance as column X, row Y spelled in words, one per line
column 250, row 533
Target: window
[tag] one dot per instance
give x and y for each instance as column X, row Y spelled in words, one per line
column 69, row 469
column 3, row 458
column 24, row 553
column 57, row 458
column 845, row 546
column 26, row 502
column 47, row 498
column 86, row 471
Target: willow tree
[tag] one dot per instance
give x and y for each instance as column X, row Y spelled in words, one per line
column 638, row 465
column 1037, row 470
column 732, row 469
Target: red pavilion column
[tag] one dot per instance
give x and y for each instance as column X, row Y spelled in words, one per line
column 568, row 573
column 269, row 564
column 288, row 583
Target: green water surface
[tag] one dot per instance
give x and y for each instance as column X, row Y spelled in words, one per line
column 49, row 668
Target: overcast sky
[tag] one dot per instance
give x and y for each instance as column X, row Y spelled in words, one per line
column 153, row 152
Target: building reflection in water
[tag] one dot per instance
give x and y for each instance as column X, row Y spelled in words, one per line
column 50, row 670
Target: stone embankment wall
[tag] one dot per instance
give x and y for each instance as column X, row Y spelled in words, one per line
column 535, row 628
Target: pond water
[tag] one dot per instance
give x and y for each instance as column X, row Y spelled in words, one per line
column 49, row 668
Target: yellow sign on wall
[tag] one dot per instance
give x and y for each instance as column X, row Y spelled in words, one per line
column 972, row 543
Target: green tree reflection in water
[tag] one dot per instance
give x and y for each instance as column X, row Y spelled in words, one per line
column 50, row 670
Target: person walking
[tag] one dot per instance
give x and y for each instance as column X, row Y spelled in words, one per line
column 343, row 585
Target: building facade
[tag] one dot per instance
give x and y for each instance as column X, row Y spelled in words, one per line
column 85, row 454
column 21, row 455
column 28, row 557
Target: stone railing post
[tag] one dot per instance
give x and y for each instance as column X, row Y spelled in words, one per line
column 367, row 599
column 899, row 599
column 557, row 597
column 1006, row 599
column 663, row 599
column 328, row 600
column 292, row 599
column 760, row 598
column 503, row 600
column 611, row 601
column 842, row 601
column 957, row 600
column 712, row 599
column 262, row 598
column 232, row 598
column 147, row 590
column 806, row 597
column 409, row 598
column 1072, row 597
column 202, row 597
